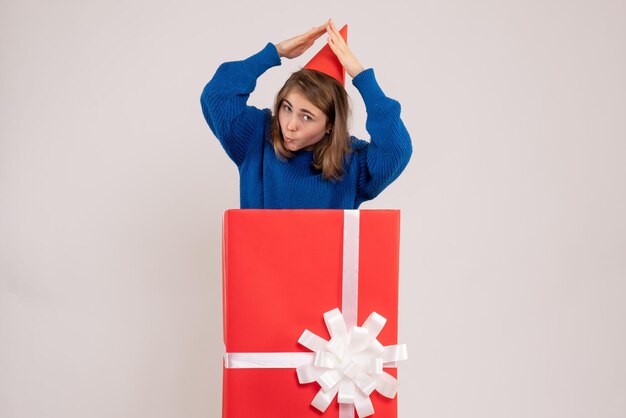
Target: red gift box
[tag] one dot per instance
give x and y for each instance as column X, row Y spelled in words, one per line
column 282, row 270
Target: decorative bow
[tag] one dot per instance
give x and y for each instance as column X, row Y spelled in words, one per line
column 350, row 365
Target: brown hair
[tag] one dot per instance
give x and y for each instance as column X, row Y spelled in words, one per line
column 330, row 96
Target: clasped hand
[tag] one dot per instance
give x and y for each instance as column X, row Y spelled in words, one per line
column 296, row 46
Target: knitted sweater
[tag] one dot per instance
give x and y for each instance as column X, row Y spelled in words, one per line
column 271, row 183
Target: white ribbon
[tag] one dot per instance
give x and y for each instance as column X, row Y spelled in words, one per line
column 350, row 365
column 350, row 279
column 285, row 360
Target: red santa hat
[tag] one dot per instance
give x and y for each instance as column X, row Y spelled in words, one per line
column 327, row 62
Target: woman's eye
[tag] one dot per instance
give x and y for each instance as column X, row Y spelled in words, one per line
column 287, row 108
column 307, row 118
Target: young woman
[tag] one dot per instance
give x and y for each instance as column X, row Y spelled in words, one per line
column 302, row 155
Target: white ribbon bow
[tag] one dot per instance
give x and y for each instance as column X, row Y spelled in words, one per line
column 350, row 365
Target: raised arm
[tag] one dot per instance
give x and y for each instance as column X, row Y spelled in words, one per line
column 382, row 159
column 387, row 154
column 224, row 101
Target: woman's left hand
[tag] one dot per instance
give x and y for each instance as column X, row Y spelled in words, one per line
column 341, row 50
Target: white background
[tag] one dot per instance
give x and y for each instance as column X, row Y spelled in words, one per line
column 112, row 189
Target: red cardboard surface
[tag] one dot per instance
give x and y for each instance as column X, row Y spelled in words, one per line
column 282, row 270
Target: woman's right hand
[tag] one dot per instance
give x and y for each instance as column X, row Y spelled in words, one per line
column 296, row 46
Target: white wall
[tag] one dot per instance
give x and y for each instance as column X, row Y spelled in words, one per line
column 112, row 189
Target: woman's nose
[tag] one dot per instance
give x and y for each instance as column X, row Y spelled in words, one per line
column 292, row 124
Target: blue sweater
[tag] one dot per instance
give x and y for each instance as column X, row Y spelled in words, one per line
column 266, row 182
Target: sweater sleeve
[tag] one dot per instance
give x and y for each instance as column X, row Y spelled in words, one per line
column 389, row 150
column 224, row 101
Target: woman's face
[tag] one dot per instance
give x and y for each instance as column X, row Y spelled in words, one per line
column 302, row 124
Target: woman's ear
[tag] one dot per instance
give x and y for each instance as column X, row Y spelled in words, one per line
column 329, row 129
